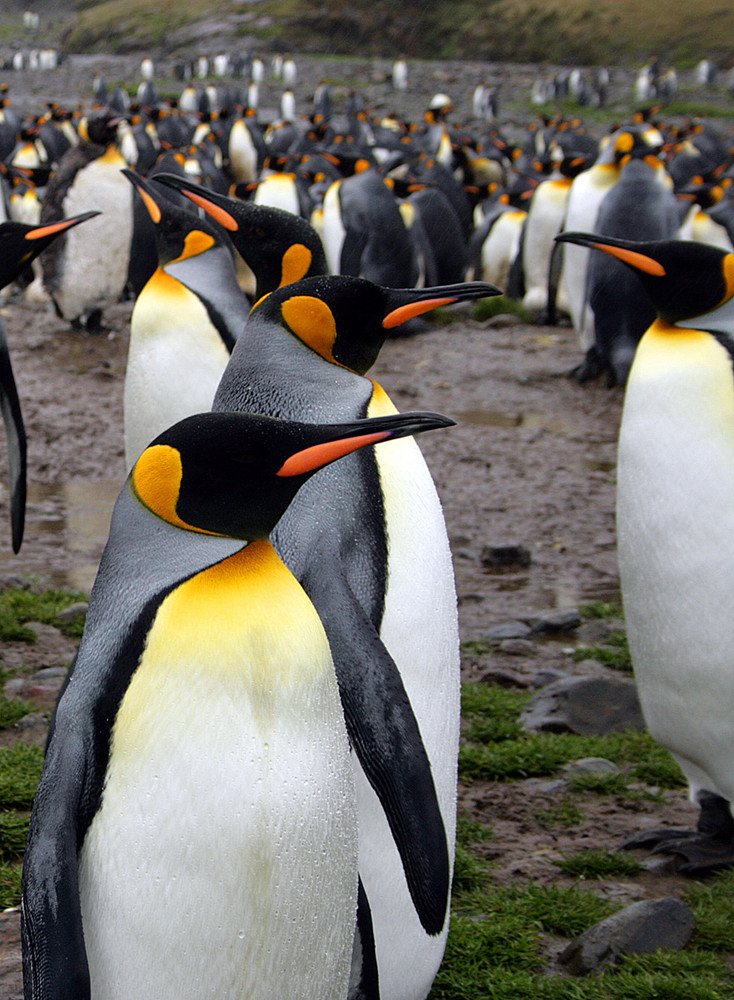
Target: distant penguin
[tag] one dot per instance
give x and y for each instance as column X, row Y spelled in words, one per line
column 184, row 323
column 585, row 197
column 400, row 74
column 287, row 106
column 675, row 526
column 194, row 829
column 640, row 204
column 290, row 72
column 86, row 270
column 364, row 233
column 382, row 580
column 20, row 244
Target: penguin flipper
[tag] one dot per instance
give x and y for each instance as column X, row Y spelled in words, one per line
column 54, row 957
column 364, row 981
column 16, row 438
column 384, row 734
column 353, row 247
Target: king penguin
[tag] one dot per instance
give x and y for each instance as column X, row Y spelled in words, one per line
column 381, row 578
column 675, row 525
column 184, row 323
column 194, row 831
column 20, row 244
column 278, row 246
column 86, row 272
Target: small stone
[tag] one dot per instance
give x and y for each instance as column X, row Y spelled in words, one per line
column 74, row 613
column 638, row 929
column 518, row 647
column 548, row 675
column 590, row 765
column 588, row 706
column 557, row 622
column 48, row 673
column 593, row 632
column 508, row 630
column 497, row 558
column 31, row 721
column 503, row 678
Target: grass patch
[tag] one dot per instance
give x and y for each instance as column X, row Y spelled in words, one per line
column 10, row 876
column 496, row 749
column 500, row 305
column 20, row 771
column 712, row 903
column 11, row 710
column 598, row 864
column 601, row 609
column 567, row 814
column 19, row 606
column 615, row 652
column 13, row 835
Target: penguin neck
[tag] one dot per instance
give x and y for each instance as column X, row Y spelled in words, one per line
column 220, row 620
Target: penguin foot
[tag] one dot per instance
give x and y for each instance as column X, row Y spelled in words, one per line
column 701, row 855
column 590, row 368
column 654, row 838
column 94, row 322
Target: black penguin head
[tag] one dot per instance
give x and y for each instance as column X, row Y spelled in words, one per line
column 279, row 247
column 20, row 243
column 346, row 319
column 179, row 234
column 684, row 279
column 101, row 127
column 234, row 474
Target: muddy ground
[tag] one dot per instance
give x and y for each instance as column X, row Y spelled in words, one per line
column 530, row 463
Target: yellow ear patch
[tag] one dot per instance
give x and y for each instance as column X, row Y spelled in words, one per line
column 728, row 268
column 312, row 322
column 195, row 243
column 296, row 262
column 156, row 481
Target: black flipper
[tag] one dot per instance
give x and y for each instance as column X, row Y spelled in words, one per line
column 15, row 436
column 353, row 248
column 554, row 277
column 388, row 743
column 364, row 982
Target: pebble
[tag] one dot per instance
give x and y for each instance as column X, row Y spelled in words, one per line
column 508, row 630
column 588, row 706
column 590, row 765
column 502, row 557
column 74, row 613
column 518, row 647
column 556, row 622
column 638, row 929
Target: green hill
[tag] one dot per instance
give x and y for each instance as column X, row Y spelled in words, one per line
column 557, row 31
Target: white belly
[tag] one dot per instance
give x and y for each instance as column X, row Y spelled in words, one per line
column 420, row 630
column 222, row 863
column 676, row 554
column 175, row 361
column 97, row 253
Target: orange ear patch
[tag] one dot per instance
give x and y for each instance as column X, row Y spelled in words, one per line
column 296, row 262
column 156, row 480
column 312, row 322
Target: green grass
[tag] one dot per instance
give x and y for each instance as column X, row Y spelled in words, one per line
column 499, row 305
column 13, row 835
column 598, row 864
column 10, row 885
column 20, row 770
column 19, row 606
column 615, row 652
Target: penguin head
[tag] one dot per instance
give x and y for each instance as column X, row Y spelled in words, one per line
column 20, row 243
column 101, row 127
column 685, row 280
column 179, row 234
column 346, row 319
column 278, row 246
column 234, row 474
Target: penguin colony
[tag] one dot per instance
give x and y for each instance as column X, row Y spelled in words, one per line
column 247, row 574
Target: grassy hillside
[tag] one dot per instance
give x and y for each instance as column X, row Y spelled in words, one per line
column 586, row 31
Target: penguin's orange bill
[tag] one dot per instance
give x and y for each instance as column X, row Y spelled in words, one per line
column 634, row 259
column 57, row 227
column 321, row 454
column 403, row 313
column 217, row 213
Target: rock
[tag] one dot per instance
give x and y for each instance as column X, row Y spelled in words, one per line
column 503, row 678
column 508, row 630
column 519, row 647
column 557, row 622
column 497, row 558
column 590, row 765
column 589, row 706
column 594, row 632
column 638, row 929
column 74, row 613
column 548, row 675
column 49, row 673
